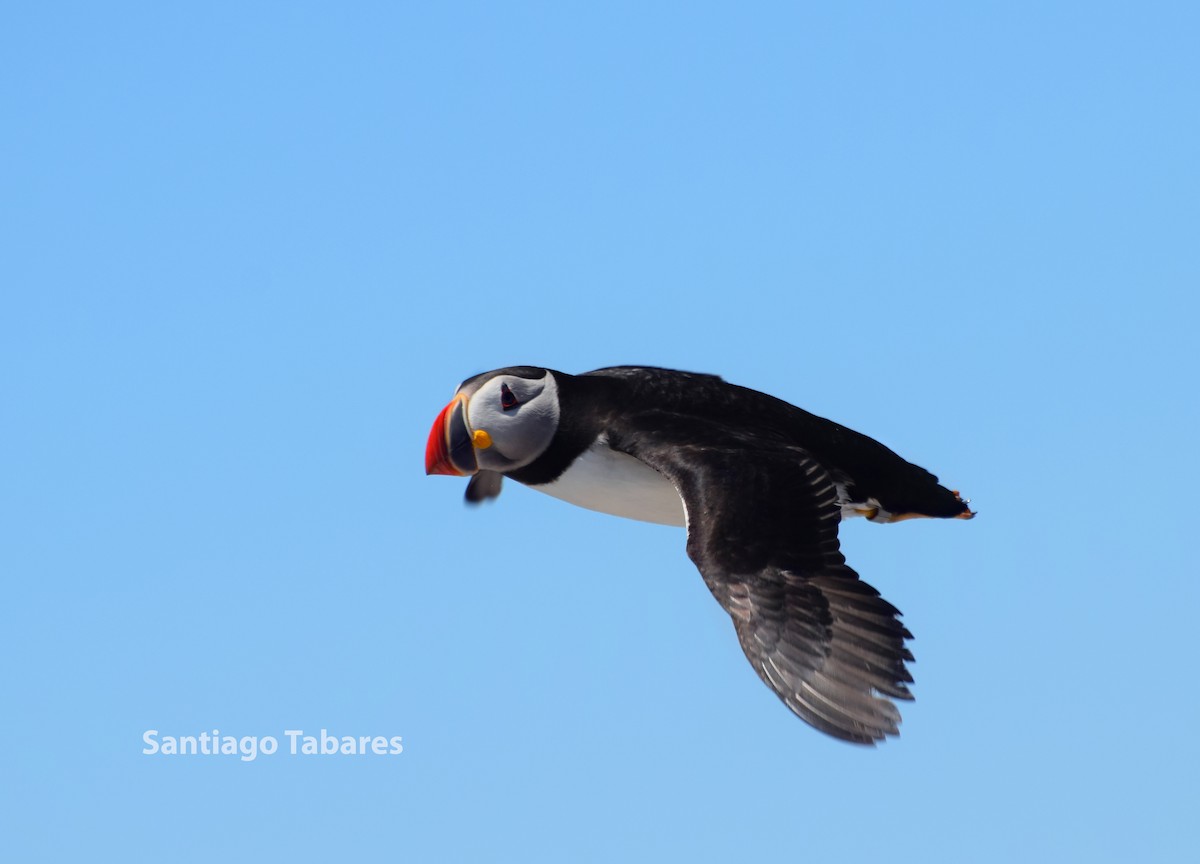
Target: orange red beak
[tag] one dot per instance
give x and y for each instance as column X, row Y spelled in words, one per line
column 450, row 449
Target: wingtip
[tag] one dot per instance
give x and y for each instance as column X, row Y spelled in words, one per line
column 484, row 486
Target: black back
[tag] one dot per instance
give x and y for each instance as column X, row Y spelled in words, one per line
column 595, row 402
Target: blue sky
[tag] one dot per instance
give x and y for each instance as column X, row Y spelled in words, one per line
column 249, row 250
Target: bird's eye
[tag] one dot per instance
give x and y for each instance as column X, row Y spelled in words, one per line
column 508, row 400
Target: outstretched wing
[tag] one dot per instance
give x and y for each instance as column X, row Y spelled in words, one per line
column 762, row 529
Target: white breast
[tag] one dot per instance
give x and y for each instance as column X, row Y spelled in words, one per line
column 611, row 482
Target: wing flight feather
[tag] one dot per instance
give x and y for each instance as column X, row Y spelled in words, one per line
column 762, row 529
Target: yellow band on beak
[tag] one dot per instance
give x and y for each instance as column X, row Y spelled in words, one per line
column 482, row 440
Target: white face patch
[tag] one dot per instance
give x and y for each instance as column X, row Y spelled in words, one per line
column 603, row 479
column 520, row 416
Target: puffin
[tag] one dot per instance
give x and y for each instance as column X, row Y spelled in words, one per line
column 760, row 486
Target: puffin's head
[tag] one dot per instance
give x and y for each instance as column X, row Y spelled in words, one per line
column 498, row 421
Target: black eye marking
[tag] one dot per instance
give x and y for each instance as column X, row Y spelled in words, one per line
column 507, row 400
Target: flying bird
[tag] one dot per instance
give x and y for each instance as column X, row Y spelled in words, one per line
column 760, row 486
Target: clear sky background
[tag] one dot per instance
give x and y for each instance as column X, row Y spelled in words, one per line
column 248, row 250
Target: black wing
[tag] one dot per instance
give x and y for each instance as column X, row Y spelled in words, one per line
column 762, row 529
column 484, row 485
